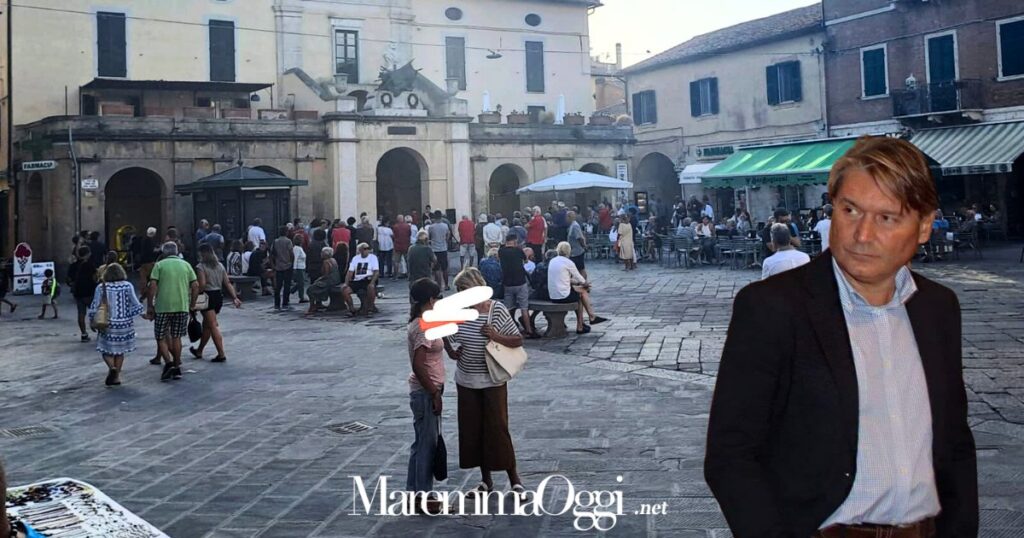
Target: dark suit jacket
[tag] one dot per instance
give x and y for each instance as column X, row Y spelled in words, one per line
column 782, row 437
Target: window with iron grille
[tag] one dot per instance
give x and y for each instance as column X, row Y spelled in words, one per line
column 535, row 66
column 346, row 54
column 455, row 59
column 222, row 51
column 111, row 45
column 704, row 97
column 645, row 108
column 784, row 84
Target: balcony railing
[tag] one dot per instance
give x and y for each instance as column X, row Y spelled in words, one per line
column 937, row 98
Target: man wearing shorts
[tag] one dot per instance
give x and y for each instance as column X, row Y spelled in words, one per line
column 362, row 275
column 172, row 295
column 467, row 242
column 514, row 280
column 439, row 233
column 577, row 243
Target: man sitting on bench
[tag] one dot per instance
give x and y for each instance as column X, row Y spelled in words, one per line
column 566, row 285
column 363, row 271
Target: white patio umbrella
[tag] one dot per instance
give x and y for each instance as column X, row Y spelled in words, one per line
column 575, row 180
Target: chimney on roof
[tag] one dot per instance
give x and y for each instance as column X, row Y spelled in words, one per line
column 618, row 56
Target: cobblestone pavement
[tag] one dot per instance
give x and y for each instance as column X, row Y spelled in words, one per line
column 244, row 448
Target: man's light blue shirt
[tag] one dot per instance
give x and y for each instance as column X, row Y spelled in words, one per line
column 895, row 479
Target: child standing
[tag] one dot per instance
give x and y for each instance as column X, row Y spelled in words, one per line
column 51, row 290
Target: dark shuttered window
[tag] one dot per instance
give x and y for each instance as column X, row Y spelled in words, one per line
column 222, row 51
column 535, row 66
column 873, row 67
column 455, row 59
column 784, row 83
column 111, row 45
column 645, row 108
column 1011, row 48
column 704, row 97
column 346, row 54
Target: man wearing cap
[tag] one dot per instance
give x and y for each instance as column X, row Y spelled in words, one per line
column 362, row 275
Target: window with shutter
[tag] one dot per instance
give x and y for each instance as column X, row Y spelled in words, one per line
column 346, row 54
column 645, row 108
column 771, row 75
column 941, row 58
column 873, row 72
column 110, row 45
column 1011, row 48
column 455, row 59
column 535, row 66
column 222, row 51
column 704, row 97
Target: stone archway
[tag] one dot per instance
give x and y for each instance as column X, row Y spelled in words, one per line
column 269, row 170
column 656, row 175
column 501, row 190
column 132, row 197
column 401, row 180
column 595, row 168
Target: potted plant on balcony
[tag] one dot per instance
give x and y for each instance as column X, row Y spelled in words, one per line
column 576, row 118
column 547, row 117
column 518, row 118
column 491, row 117
column 601, row 119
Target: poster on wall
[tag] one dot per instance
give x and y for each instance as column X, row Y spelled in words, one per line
column 38, row 275
column 22, row 269
column 622, row 171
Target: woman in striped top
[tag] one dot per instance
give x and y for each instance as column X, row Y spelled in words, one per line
column 484, row 440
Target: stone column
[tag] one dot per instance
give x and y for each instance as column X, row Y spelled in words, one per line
column 342, row 157
column 461, row 184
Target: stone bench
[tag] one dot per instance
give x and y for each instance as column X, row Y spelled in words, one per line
column 243, row 285
column 337, row 303
column 554, row 313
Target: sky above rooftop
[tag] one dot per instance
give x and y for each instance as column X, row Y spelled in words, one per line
column 647, row 27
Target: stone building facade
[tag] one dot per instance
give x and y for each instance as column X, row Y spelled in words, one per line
column 160, row 97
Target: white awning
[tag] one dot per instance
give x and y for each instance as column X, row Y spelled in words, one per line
column 693, row 172
column 575, row 180
column 973, row 149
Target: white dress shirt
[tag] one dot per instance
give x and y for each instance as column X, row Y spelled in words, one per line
column 783, row 261
column 562, row 273
column 822, row 227
column 895, row 480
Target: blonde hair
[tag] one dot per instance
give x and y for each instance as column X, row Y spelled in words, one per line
column 114, row 273
column 564, row 249
column 469, row 277
column 492, row 252
column 897, row 167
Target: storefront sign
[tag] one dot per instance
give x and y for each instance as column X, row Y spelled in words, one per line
column 622, row 171
column 32, row 166
column 715, row 152
column 977, row 169
column 39, row 275
column 22, row 269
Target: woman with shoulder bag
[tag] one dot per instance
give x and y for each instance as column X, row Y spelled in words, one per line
column 484, row 439
column 213, row 280
column 112, row 315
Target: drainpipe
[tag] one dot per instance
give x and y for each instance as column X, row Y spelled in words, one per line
column 12, row 193
column 76, row 177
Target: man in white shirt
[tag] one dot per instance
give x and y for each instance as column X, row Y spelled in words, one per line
column 708, row 211
column 567, row 285
column 362, row 275
column 492, row 233
column 256, row 232
column 824, row 226
column 786, row 257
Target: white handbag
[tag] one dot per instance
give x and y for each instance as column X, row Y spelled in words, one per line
column 503, row 362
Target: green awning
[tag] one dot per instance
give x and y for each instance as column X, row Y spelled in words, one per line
column 804, row 163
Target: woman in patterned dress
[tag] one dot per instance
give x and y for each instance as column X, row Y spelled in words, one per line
column 123, row 305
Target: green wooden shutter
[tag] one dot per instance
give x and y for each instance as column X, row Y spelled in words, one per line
column 1011, row 45
column 111, row 45
column 222, row 51
column 652, row 107
column 713, row 88
column 695, row 98
column 771, row 75
column 795, row 82
column 535, row 66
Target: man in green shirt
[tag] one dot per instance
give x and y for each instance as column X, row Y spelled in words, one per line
column 173, row 288
column 421, row 258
